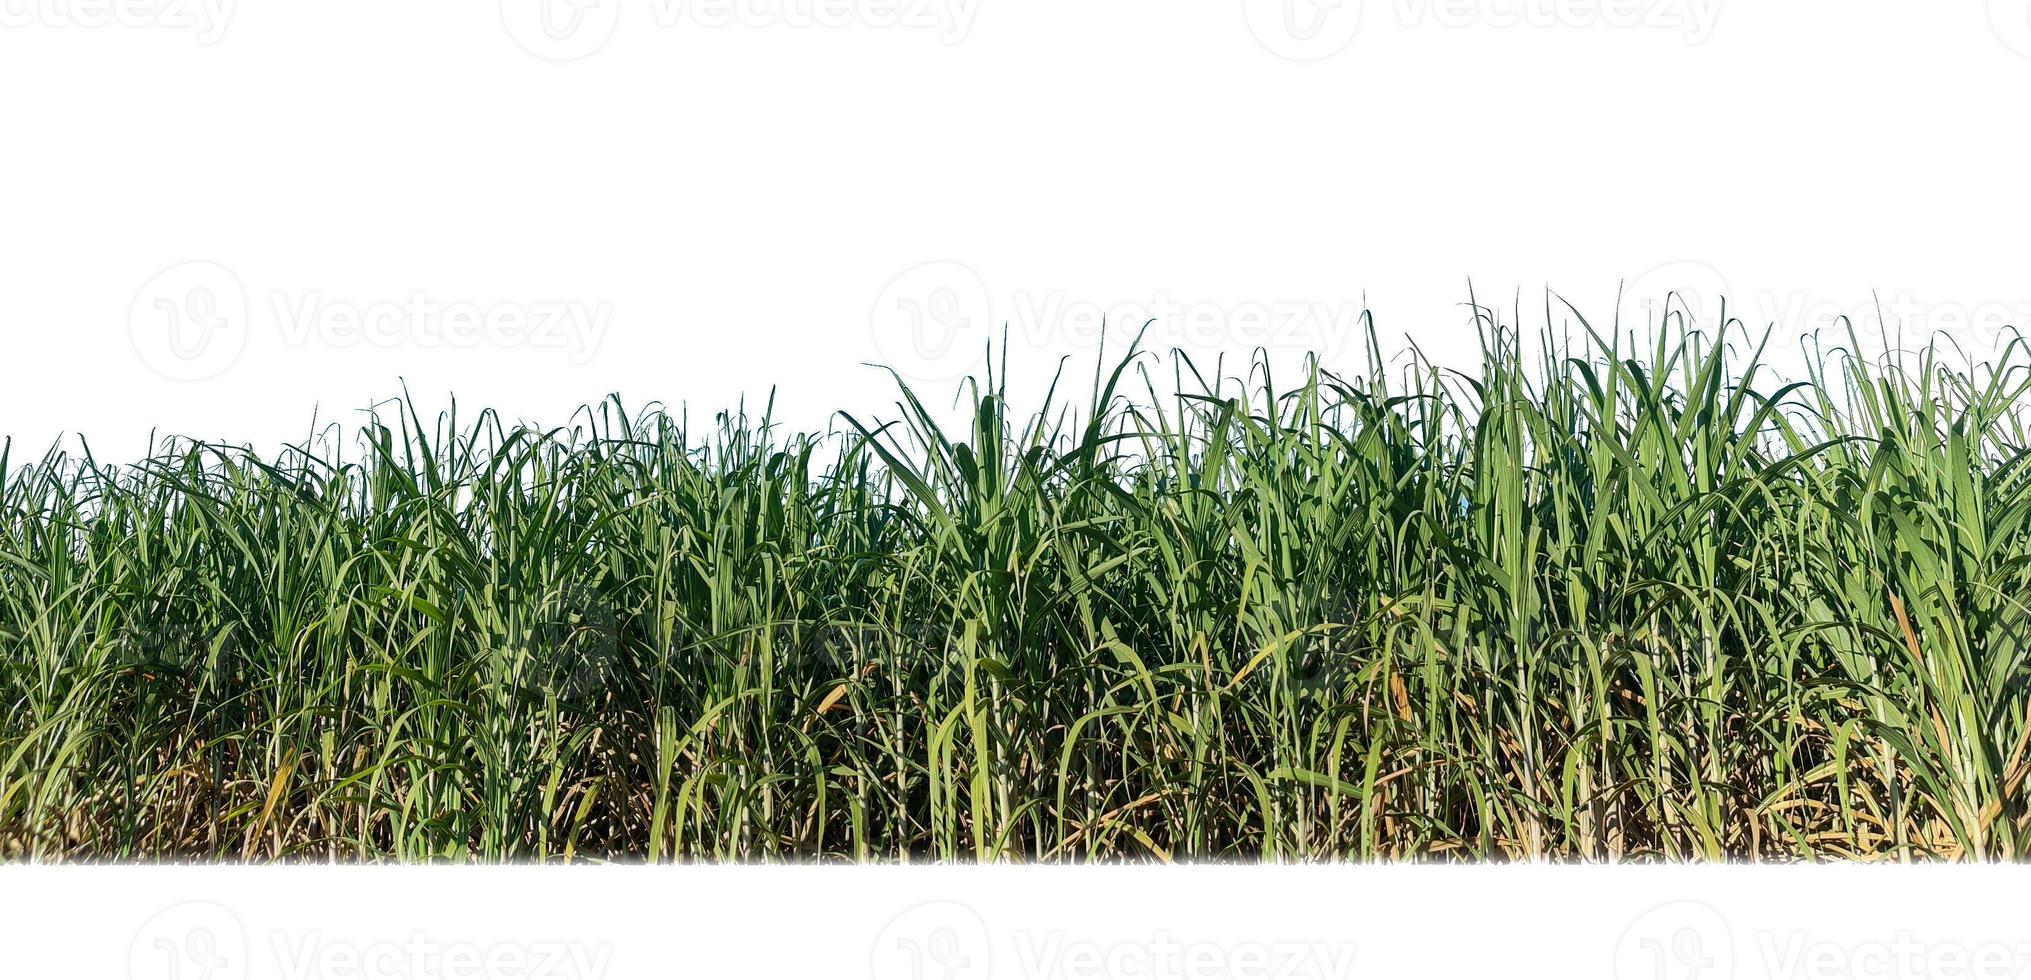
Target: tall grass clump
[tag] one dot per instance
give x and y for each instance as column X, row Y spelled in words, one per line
column 1613, row 599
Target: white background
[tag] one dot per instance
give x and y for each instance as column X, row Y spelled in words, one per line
column 1207, row 923
column 747, row 200
column 743, row 195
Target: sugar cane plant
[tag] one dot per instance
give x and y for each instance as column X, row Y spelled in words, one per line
column 1608, row 595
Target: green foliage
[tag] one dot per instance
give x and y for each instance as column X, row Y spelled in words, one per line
column 1605, row 601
